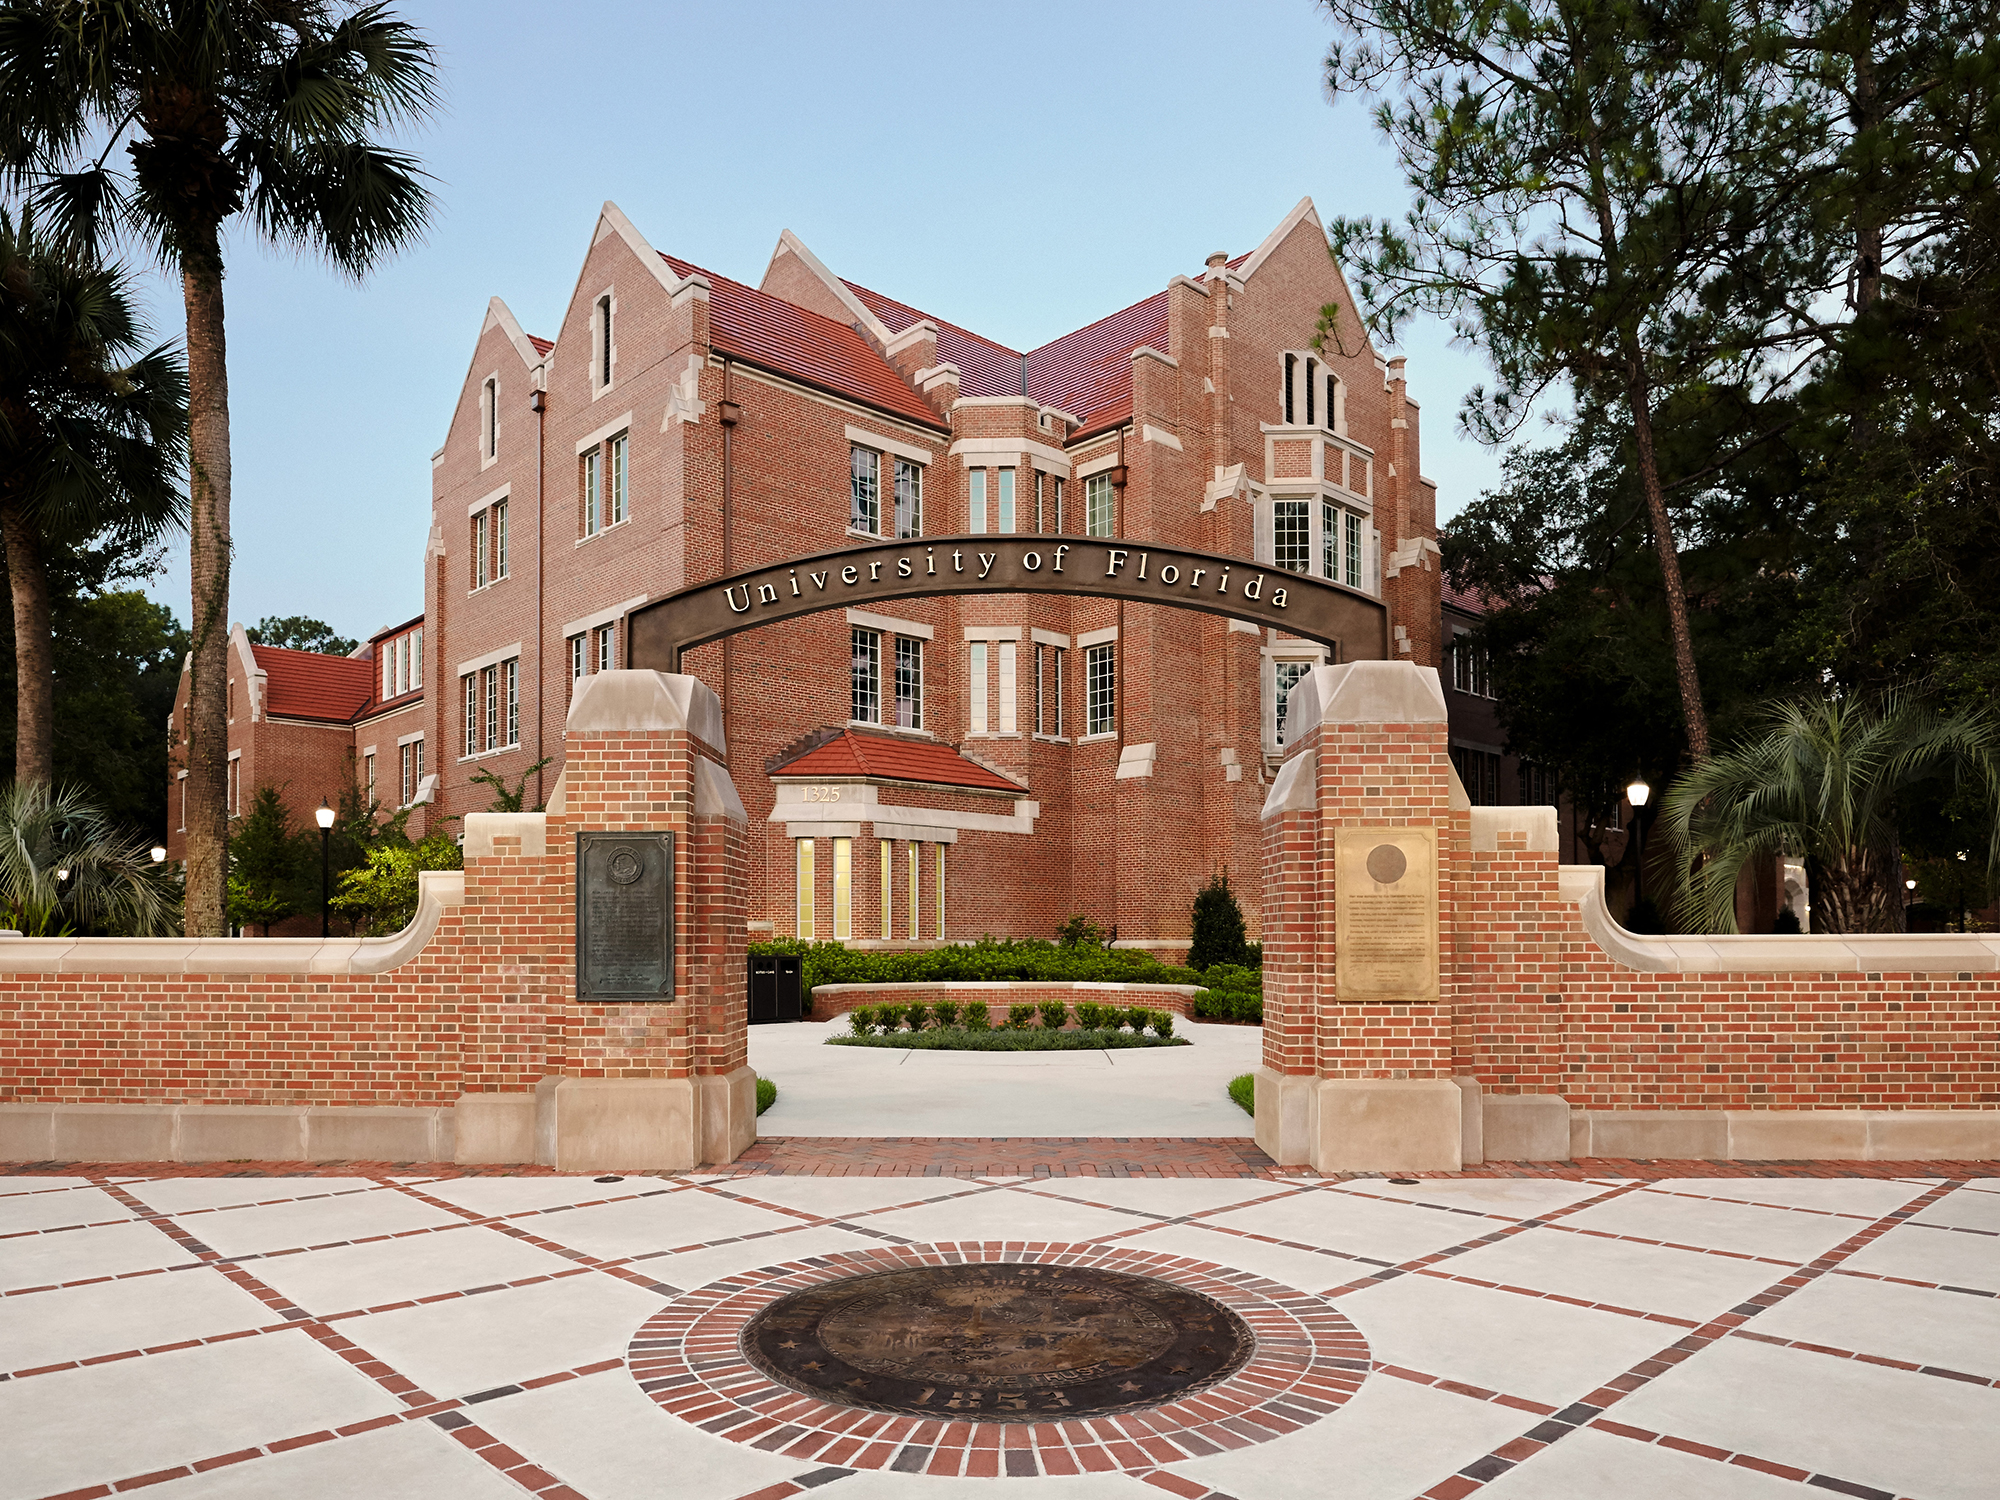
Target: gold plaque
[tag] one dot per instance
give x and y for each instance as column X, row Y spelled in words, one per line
column 1386, row 914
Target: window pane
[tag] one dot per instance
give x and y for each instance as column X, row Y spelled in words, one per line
column 909, row 682
column 576, row 657
column 593, row 464
column 492, row 735
column 843, row 889
column 1006, row 500
column 976, row 504
column 500, row 540
column 1008, row 653
column 1353, row 551
column 1098, row 505
column 916, row 892
column 479, row 550
column 864, row 512
column 805, row 928
column 471, row 714
column 1041, row 502
column 513, row 670
column 1329, row 541
column 867, row 677
column 940, row 890
column 1059, row 506
column 621, row 447
column 1291, row 536
column 604, row 648
column 1041, row 666
column 1100, row 700
column 975, row 689
column 1285, row 676
column 909, row 498
column 1061, row 657
column 886, row 872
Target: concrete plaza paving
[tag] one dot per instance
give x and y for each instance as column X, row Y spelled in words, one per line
column 1131, row 1091
column 407, row 1333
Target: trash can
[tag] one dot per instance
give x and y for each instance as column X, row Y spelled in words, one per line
column 776, row 992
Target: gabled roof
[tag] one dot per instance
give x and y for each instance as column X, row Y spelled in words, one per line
column 787, row 339
column 984, row 367
column 889, row 757
column 542, row 345
column 307, row 685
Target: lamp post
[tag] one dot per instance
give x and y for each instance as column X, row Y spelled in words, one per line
column 325, row 817
column 1636, row 793
column 159, row 854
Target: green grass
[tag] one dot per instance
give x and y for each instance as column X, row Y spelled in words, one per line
column 958, row 1039
column 767, row 1094
column 1243, row 1089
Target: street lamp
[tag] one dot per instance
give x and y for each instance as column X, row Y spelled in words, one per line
column 159, row 854
column 1636, row 793
column 325, row 817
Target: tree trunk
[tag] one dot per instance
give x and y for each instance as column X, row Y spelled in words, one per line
column 1858, row 894
column 208, row 569
column 1693, row 714
column 34, row 652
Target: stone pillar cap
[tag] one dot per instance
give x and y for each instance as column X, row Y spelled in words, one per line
column 647, row 700
column 1365, row 692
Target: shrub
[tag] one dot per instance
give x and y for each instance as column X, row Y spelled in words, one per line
column 976, row 1018
column 1219, row 936
column 989, row 959
column 1055, row 1015
column 920, row 1017
column 1035, row 1040
column 946, row 1012
column 891, row 1016
column 767, row 1094
column 1080, row 932
column 1243, row 1089
column 1089, row 1015
column 1136, row 1017
column 1020, row 1016
column 861, row 1020
column 1229, row 1005
column 1163, row 1023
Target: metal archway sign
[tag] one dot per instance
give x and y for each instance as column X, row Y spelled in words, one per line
column 1354, row 624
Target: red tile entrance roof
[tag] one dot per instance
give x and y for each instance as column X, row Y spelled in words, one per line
column 790, row 340
column 308, row 685
column 893, row 758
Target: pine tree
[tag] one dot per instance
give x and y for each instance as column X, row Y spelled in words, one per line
column 264, row 864
column 1219, row 936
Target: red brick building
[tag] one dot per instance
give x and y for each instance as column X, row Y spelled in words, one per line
column 970, row 764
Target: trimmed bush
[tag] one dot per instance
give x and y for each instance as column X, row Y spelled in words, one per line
column 1035, row 1040
column 1013, row 958
column 1020, row 1016
column 1243, row 1089
column 861, row 1020
column 1163, row 1024
column 1055, row 1015
column 1229, row 1005
column 891, row 1016
column 919, row 1016
column 946, row 1012
column 975, row 1017
column 767, row 1094
column 1136, row 1018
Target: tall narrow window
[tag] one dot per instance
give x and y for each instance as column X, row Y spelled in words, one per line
column 843, row 889
column 1100, row 689
column 368, row 776
column 489, row 418
column 975, row 689
column 1009, row 653
column 1353, row 550
column 1059, row 507
column 916, row 879
column 1041, row 497
column 909, row 498
column 471, row 683
column 416, row 640
column 407, row 756
column 1311, row 364
column 805, row 927
column 864, row 474
column 1329, row 541
column 1061, row 656
column 865, row 677
column 388, row 650
column 577, row 660
column 593, row 474
column 1099, row 509
column 1291, row 364
column 512, row 690
column 940, row 890
column 479, row 550
column 885, row 863
column 416, row 764
column 975, row 507
column 500, row 539
column 1006, row 500
column 492, row 683
column 603, row 360
column 909, row 682
column 604, row 634
column 235, row 791
column 1041, row 702
column 618, row 501
column 1285, row 676
column 1291, row 535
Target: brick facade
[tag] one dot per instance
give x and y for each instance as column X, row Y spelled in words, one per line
column 732, row 413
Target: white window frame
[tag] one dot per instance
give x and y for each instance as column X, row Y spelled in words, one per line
column 843, row 890
column 864, row 644
column 1292, row 653
column 975, row 503
column 1096, row 725
column 805, row 916
column 864, row 490
column 1005, row 513
column 909, row 501
column 510, row 694
column 469, row 703
column 1100, row 505
column 975, row 687
column 909, row 674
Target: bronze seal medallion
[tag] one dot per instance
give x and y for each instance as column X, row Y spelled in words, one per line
column 1007, row 1342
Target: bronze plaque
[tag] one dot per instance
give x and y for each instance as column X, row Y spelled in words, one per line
column 624, row 916
column 998, row 1343
column 1386, row 914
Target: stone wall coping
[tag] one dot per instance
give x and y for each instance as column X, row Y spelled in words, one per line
column 438, row 891
column 638, row 702
column 1364, row 692
column 1005, row 984
column 1734, row 953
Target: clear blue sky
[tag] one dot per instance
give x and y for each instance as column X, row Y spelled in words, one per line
column 1021, row 169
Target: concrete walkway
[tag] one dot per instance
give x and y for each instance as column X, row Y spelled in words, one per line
column 874, row 1091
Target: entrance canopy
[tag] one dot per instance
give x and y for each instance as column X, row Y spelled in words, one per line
column 1354, row 624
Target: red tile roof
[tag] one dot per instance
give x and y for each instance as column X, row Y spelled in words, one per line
column 984, row 367
column 542, row 346
column 892, row 758
column 789, row 340
column 307, row 685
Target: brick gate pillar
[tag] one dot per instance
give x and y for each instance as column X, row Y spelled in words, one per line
column 642, row 1084
column 1364, row 830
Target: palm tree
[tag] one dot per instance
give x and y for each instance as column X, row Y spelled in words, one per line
column 270, row 107
column 1823, row 780
column 62, row 864
column 93, row 437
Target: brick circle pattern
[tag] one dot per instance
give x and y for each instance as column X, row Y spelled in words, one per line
column 689, row 1359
